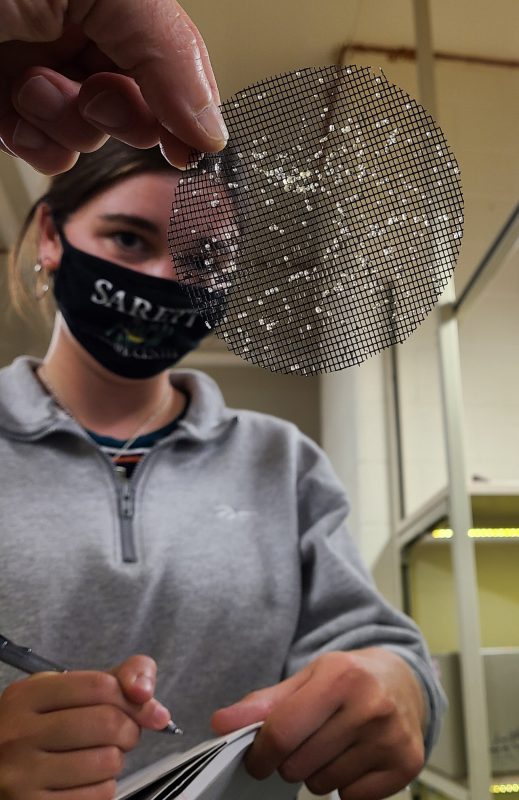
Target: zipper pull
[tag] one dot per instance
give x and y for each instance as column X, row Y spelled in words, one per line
column 120, row 472
column 126, row 495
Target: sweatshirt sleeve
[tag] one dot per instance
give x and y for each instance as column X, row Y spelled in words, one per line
column 341, row 609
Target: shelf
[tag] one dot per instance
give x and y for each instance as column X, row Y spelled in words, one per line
column 494, row 504
column 423, row 519
column 456, row 790
column 505, row 784
column 428, row 540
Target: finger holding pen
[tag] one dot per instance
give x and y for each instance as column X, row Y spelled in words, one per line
column 137, row 674
column 96, row 688
column 71, row 730
column 137, row 677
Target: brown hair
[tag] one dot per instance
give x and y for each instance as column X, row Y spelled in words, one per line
column 92, row 174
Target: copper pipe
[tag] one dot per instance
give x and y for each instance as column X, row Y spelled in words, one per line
column 409, row 54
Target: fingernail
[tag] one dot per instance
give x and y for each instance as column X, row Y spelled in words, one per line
column 161, row 716
column 211, row 121
column 175, row 161
column 28, row 137
column 107, row 109
column 40, row 98
column 144, row 682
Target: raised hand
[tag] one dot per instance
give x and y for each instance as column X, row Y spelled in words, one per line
column 73, row 73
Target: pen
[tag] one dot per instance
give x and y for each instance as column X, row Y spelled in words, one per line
column 26, row 660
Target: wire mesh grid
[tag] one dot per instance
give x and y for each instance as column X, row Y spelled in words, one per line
column 327, row 229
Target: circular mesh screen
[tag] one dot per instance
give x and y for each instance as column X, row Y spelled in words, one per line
column 327, row 229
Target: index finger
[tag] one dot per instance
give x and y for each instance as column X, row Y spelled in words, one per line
column 82, row 688
column 53, row 691
column 159, row 46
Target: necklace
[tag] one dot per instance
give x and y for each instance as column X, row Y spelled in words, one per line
column 142, row 425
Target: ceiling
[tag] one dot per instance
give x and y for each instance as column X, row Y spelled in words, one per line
column 249, row 41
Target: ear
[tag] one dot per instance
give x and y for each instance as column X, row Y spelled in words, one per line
column 50, row 249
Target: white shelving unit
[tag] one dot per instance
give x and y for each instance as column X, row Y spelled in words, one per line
column 489, row 501
column 465, row 504
column 458, row 501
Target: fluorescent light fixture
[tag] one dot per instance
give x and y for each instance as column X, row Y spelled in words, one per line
column 479, row 533
column 504, row 788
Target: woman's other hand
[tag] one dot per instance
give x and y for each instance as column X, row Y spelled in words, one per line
column 74, row 72
column 70, row 731
column 348, row 721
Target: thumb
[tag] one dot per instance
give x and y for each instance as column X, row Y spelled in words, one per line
column 256, row 706
column 159, row 46
column 137, row 676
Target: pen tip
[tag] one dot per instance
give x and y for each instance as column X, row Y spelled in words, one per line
column 174, row 729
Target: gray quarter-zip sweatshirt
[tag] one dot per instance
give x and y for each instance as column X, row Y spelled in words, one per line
column 225, row 557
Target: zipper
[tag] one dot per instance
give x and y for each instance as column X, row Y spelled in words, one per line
column 126, row 501
column 124, row 486
column 126, row 513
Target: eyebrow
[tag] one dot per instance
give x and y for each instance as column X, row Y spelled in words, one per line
column 132, row 219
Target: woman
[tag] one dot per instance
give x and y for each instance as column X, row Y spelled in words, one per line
column 142, row 516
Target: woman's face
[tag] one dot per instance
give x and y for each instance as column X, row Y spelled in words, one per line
column 127, row 224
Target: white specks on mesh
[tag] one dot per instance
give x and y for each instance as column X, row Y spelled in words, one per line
column 342, row 210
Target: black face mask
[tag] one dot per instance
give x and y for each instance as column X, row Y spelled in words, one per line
column 133, row 324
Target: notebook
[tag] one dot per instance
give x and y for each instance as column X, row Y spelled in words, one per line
column 213, row 770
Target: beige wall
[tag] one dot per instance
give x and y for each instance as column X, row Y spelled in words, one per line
column 432, row 593
column 290, row 397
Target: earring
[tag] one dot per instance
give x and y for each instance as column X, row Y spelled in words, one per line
column 42, row 290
